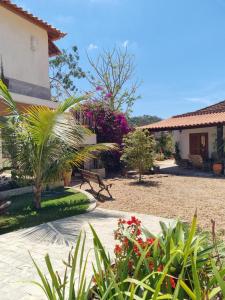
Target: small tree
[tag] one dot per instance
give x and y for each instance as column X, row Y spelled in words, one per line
column 46, row 140
column 139, row 151
column 112, row 76
column 165, row 144
column 63, row 71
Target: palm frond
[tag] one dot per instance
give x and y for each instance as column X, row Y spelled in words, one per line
column 7, row 98
column 69, row 102
column 91, row 151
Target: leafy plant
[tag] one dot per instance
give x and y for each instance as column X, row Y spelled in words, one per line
column 138, row 151
column 46, row 140
column 63, row 71
column 112, row 75
column 165, row 144
column 178, row 264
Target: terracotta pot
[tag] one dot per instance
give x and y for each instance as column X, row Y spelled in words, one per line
column 217, row 168
column 67, row 177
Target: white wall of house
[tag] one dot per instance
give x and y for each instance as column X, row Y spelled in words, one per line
column 24, row 51
column 182, row 137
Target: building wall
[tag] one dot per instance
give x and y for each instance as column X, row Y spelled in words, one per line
column 24, row 53
column 182, row 137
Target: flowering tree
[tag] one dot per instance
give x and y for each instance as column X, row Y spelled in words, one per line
column 112, row 73
column 110, row 127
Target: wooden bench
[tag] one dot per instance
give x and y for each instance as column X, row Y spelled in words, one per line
column 89, row 177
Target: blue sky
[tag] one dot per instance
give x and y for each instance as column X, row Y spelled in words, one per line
column 179, row 45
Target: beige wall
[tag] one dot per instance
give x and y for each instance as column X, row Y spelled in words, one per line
column 24, row 49
column 182, row 137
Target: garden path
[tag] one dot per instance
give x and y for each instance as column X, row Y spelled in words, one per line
column 55, row 238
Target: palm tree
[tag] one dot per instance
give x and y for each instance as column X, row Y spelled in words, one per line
column 46, row 139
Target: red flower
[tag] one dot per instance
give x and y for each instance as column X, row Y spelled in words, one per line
column 172, row 282
column 160, row 268
column 151, row 265
column 118, row 250
column 133, row 221
column 150, row 241
column 125, row 242
column 121, row 221
column 136, row 250
column 130, row 264
column 138, row 231
column 140, row 241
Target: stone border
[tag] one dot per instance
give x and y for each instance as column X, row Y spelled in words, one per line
column 15, row 192
column 91, row 198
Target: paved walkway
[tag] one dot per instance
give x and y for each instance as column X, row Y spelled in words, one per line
column 55, row 238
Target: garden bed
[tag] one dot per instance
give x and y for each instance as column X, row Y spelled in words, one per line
column 56, row 204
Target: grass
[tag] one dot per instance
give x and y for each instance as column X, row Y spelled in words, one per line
column 57, row 204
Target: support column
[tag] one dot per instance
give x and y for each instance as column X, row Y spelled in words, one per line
column 220, row 143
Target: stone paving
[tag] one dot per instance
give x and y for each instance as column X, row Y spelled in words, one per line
column 55, row 238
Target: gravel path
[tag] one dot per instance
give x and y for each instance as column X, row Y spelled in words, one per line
column 171, row 196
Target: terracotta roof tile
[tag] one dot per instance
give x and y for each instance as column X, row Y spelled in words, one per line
column 215, row 108
column 188, row 121
column 53, row 33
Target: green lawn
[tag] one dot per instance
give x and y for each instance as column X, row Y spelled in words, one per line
column 56, row 204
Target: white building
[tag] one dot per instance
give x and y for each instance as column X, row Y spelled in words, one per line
column 197, row 133
column 26, row 43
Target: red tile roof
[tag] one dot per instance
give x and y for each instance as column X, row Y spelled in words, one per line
column 208, row 116
column 53, row 33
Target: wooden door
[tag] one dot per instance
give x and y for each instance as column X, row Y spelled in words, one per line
column 198, row 143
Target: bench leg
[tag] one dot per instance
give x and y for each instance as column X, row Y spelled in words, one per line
column 98, row 194
column 107, row 189
column 91, row 187
column 82, row 184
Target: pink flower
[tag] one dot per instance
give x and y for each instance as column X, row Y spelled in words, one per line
column 108, row 95
column 99, row 88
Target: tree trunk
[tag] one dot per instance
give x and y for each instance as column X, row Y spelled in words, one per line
column 139, row 179
column 37, row 195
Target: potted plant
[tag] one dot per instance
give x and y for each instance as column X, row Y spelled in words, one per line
column 67, row 173
column 217, row 164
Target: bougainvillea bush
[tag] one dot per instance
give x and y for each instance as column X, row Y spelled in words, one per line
column 177, row 264
column 108, row 125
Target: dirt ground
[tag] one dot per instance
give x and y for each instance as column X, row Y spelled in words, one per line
column 171, row 196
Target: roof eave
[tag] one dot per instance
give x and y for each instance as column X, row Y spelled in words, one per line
column 53, row 33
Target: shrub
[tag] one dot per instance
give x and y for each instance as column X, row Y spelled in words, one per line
column 178, row 264
column 109, row 126
column 165, row 144
column 138, row 151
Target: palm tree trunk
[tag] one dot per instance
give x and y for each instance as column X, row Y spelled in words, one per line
column 37, row 195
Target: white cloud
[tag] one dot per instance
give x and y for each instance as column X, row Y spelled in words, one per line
column 64, row 19
column 201, row 100
column 125, row 43
column 92, row 47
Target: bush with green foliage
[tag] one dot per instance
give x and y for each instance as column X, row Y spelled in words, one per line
column 177, row 264
column 143, row 120
column 45, row 140
column 165, row 145
column 138, row 152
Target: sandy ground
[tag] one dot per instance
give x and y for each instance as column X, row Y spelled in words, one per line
column 172, row 197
